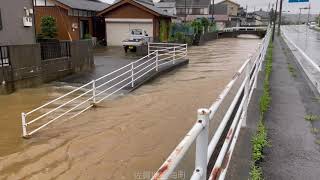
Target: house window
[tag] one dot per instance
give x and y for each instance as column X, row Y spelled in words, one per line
column 197, row 11
column 181, row 11
column 42, row 3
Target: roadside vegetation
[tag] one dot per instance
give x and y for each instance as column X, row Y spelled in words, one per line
column 260, row 140
column 311, row 117
column 315, row 130
column 292, row 70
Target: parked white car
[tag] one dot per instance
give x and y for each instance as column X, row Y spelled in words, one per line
column 312, row 24
column 138, row 37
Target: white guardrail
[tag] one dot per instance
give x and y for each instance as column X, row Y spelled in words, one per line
column 200, row 131
column 232, row 29
column 315, row 81
column 83, row 98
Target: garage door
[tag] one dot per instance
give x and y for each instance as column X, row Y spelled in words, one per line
column 118, row 29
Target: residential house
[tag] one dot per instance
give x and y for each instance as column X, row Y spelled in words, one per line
column 75, row 18
column 220, row 15
column 168, row 6
column 262, row 18
column 16, row 22
column 233, row 11
column 192, row 9
column 124, row 15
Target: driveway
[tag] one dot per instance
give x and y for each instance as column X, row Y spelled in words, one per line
column 106, row 59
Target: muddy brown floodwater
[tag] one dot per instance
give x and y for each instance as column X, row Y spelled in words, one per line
column 125, row 138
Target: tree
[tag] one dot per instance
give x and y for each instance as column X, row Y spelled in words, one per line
column 48, row 27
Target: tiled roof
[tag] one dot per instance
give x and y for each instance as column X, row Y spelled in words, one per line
column 149, row 5
column 165, row 4
column 90, row 5
column 153, row 8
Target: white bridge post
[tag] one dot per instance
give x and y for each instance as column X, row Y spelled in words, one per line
column 132, row 75
column 202, row 146
column 246, row 94
column 94, row 91
column 157, row 60
column 24, row 125
column 174, row 54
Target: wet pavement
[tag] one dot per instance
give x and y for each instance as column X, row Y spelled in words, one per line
column 306, row 39
column 128, row 137
column 294, row 153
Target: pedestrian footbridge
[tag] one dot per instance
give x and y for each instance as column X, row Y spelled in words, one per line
column 236, row 31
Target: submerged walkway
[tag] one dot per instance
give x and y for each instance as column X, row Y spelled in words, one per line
column 294, row 153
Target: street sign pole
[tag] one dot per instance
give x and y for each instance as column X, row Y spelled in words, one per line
column 309, row 12
column 274, row 21
column 280, row 15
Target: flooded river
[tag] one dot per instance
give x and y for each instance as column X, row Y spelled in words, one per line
column 125, row 138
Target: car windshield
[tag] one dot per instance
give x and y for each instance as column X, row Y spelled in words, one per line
column 136, row 32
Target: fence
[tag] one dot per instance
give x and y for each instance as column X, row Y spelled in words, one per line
column 4, row 56
column 53, row 50
column 83, row 98
column 199, row 133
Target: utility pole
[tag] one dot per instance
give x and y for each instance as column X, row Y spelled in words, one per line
column 212, row 17
column 274, row 21
column 299, row 16
column 309, row 12
column 280, row 16
column 185, row 11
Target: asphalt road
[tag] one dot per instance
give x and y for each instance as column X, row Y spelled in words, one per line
column 306, row 39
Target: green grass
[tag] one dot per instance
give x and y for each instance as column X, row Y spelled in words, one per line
column 317, row 141
column 316, row 99
column 260, row 140
column 315, row 130
column 311, row 117
column 256, row 173
column 292, row 70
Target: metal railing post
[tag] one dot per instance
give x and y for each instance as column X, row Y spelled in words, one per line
column 157, row 60
column 24, row 125
column 94, row 91
column 132, row 75
column 202, row 146
column 174, row 55
column 186, row 54
column 148, row 49
column 246, row 94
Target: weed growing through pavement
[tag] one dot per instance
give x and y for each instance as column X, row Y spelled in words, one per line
column 315, row 130
column 311, row 117
column 292, row 70
column 260, row 140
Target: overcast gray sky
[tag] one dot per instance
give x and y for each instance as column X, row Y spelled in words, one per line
column 292, row 7
column 257, row 4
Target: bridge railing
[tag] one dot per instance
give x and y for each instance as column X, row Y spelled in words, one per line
column 88, row 95
column 199, row 133
column 313, row 73
column 233, row 29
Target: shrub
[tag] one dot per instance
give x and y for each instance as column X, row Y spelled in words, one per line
column 87, row 36
column 48, row 27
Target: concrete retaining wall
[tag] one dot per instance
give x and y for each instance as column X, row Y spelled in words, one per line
column 208, row 37
column 27, row 69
